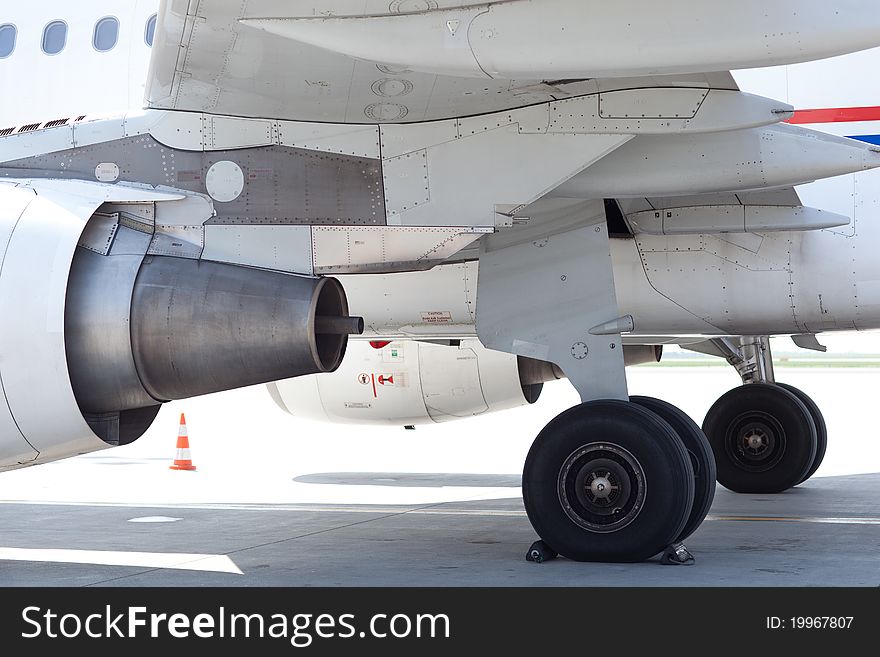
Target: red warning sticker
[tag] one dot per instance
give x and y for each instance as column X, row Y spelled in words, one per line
column 381, row 379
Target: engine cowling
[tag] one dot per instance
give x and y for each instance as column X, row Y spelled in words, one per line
column 96, row 332
column 408, row 382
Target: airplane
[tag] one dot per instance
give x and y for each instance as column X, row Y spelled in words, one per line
column 405, row 211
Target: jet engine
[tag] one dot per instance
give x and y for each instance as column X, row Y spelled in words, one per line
column 408, row 382
column 98, row 327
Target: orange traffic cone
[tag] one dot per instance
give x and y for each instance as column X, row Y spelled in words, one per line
column 183, row 460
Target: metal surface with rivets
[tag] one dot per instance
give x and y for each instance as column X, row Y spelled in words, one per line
column 282, row 185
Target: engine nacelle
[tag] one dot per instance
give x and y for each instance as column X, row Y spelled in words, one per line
column 408, row 382
column 97, row 331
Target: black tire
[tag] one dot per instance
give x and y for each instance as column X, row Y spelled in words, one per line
column 700, row 453
column 821, row 428
column 763, row 437
column 648, row 488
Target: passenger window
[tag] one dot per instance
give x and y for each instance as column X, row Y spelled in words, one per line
column 150, row 32
column 54, row 37
column 106, row 34
column 8, row 33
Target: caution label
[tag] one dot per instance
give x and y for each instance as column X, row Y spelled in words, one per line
column 437, row 317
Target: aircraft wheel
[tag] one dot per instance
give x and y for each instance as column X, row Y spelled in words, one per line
column 608, row 480
column 700, row 453
column 821, row 428
column 763, row 437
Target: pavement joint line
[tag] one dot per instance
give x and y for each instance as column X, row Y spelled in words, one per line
column 324, row 531
column 268, row 543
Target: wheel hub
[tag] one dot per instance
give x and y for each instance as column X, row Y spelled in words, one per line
column 601, row 487
column 756, row 441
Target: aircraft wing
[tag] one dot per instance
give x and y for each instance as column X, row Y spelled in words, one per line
column 220, row 58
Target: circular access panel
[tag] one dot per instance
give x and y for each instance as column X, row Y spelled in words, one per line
column 386, row 111
column 225, row 181
column 391, row 87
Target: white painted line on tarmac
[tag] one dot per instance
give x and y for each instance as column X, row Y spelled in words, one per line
column 298, row 508
column 151, row 519
column 808, row 519
column 433, row 510
column 211, row 563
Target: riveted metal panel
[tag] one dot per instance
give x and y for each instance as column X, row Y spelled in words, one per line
column 283, row 185
column 229, row 132
column 358, row 249
column 280, row 248
column 406, row 178
column 178, row 241
column 361, row 140
column 99, row 233
column 560, row 269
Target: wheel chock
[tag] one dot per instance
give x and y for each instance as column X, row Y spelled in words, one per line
column 539, row 552
column 677, row 555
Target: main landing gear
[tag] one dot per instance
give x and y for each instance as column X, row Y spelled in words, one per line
column 767, row 437
column 617, row 480
column 764, row 437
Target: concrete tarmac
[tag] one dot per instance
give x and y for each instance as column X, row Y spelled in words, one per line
column 277, row 501
column 800, row 538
